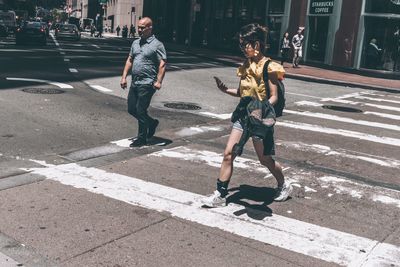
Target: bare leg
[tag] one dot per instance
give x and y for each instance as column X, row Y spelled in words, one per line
column 227, row 162
column 273, row 166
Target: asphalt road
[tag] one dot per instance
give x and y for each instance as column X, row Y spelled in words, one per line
column 72, row 192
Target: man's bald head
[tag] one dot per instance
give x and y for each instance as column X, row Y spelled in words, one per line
column 145, row 27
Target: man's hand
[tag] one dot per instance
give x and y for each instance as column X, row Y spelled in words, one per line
column 157, row 85
column 123, row 83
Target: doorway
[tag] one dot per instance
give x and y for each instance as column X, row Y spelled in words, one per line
column 318, row 27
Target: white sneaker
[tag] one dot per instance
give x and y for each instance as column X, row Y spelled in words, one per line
column 282, row 193
column 214, row 200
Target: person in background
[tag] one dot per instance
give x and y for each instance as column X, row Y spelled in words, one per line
column 373, row 55
column 297, row 43
column 132, row 31
column 147, row 61
column 285, row 48
column 118, row 29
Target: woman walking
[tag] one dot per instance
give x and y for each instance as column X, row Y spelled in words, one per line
column 285, row 48
column 251, row 73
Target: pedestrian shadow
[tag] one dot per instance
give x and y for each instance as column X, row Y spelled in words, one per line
column 265, row 195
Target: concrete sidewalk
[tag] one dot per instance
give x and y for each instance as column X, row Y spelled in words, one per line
column 306, row 73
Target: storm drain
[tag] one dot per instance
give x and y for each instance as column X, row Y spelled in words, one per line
column 44, row 91
column 343, row 109
column 182, row 105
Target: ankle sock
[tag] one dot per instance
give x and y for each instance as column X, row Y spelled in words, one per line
column 222, row 187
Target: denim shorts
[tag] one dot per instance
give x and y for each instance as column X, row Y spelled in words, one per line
column 269, row 144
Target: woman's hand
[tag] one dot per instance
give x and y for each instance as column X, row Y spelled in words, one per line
column 221, row 86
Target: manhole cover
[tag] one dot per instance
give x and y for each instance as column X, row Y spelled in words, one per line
column 43, row 91
column 343, row 109
column 182, row 105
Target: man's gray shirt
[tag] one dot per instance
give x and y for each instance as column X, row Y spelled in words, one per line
column 146, row 55
column 297, row 41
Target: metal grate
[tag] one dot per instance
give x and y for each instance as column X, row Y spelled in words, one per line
column 343, row 109
column 44, row 91
column 182, row 105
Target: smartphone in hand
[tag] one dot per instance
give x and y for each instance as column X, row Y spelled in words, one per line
column 220, row 84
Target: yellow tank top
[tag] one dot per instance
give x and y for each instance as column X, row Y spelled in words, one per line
column 251, row 77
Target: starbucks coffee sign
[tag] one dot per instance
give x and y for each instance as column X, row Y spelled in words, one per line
column 321, row 7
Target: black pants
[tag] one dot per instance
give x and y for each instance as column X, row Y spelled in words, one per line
column 285, row 55
column 139, row 98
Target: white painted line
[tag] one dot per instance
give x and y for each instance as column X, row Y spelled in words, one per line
column 73, row 70
column 344, row 119
column 383, row 115
column 96, row 46
column 308, row 103
column 377, row 99
column 210, row 158
column 345, row 96
column 66, row 59
column 62, row 53
column 365, row 104
column 216, row 116
column 100, row 88
column 310, row 96
column 54, row 39
column 344, row 153
column 341, row 132
column 290, row 234
column 197, row 130
column 61, row 85
column 339, row 185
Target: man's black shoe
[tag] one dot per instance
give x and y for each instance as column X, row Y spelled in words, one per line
column 138, row 143
column 152, row 129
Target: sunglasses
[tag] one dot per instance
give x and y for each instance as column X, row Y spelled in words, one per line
column 243, row 45
column 144, row 27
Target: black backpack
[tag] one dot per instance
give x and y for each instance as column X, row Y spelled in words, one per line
column 280, row 105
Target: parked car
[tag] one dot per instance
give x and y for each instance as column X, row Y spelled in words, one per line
column 46, row 28
column 3, row 30
column 68, row 31
column 30, row 31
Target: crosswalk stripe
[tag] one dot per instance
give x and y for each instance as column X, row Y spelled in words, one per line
column 290, row 234
column 342, row 132
column 377, row 99
column 364, row 104
column 326, row 150
column 100, row 88
column 338, row 184
column 383, row 115
column 344, row 119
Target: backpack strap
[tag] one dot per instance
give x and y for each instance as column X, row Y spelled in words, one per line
column 265, row 77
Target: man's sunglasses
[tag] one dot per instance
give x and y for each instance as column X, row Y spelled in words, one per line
column 144, row 27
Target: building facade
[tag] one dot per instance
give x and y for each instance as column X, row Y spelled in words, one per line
column 351, row 34
column 123, row 12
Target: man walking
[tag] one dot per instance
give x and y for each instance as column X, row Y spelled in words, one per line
column 147, row 60
column 297, row 42
column 118, row 29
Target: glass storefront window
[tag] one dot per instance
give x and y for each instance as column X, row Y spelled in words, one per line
column 382, row 6
column 318, row 33
column 381, row 48
column 274, row 29
column 276, row 7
